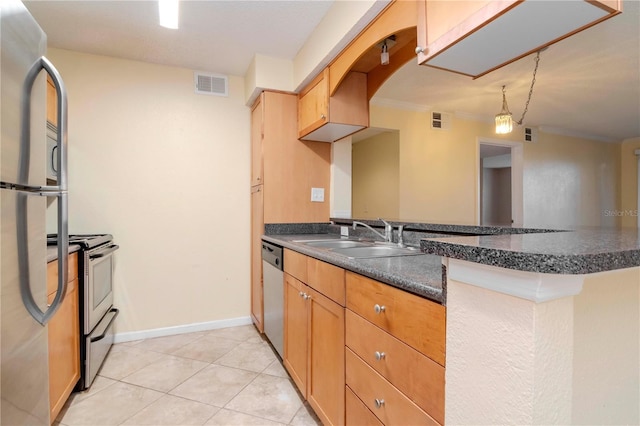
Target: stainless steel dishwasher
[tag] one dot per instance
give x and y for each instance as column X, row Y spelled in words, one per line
column 273, row 294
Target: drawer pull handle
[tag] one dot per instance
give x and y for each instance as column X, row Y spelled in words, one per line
column 379, row 402
column 379, row 309
column 380, row 356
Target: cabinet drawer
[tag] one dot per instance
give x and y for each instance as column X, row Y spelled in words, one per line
column 416, row 321
column 295, row 264
column 381, row 397
column 327, row 279
column 71, row 286
column 52, row 272
column 414, row 374
column 357, row 413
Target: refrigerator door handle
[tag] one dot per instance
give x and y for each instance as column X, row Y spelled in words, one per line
column 61, row 131
column 23, row 259
column 59, row 191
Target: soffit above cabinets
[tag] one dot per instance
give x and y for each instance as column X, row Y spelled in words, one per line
column 494, row 36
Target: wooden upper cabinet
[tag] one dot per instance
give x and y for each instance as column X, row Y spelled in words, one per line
column 326, row 118
column 257, row 134
column 52, row 104
column 468, row 37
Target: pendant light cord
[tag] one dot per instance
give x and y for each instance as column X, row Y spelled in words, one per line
column 533, row 81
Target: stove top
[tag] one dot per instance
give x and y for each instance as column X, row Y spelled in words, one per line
column 85, row 240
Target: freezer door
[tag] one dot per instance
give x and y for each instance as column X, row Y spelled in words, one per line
column 24, row 384
column 23, row 43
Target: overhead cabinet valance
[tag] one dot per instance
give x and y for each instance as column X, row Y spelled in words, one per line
column 477, row 37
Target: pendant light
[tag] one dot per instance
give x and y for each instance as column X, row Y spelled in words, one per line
column 504, row 120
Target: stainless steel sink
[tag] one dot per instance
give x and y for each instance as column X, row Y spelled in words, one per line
column 377, row 251
column 336, row 244
column 356, row 249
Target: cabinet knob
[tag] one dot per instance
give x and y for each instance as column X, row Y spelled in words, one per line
column 380, row 356
column 301, row 294
column 379, row 402
column 379, row 309
column 307, row 296
column 323, row 117
column 419, row 50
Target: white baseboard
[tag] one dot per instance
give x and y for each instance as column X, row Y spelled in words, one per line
column 180, row 329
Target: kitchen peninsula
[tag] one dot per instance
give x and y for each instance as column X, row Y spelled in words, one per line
column 542, row 327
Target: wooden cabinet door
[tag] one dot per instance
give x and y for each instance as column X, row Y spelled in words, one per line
column 326, row 385
column 296, row 331
column 313, row 104
column 64, row 338
column 257, row 229
column 64, row 350
column 257, row 134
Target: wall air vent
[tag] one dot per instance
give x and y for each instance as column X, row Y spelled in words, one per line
column 440, row 120
column 211, row 84
column 530, row 134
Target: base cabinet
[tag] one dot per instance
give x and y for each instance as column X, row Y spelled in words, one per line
column 395, row 353
column 314, row 336
column 64, row 338
column 362, row 352
column 257, row 229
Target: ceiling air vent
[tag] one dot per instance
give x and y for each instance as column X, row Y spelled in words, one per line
column 211, row 84
column 440, row 120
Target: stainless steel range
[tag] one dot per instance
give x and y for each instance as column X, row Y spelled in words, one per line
column 96, row 302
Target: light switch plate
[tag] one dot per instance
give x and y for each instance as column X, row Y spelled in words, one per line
column 317, row 195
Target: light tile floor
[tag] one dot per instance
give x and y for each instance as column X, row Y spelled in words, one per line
column 229, row 376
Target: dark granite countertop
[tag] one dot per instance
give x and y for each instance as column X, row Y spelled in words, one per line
column 568, row 252
column 421, row 274
column 52, row 251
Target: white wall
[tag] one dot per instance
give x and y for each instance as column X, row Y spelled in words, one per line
column 166, row 172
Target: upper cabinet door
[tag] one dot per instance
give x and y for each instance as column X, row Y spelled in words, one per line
column 325, row 118
column 476, row 37
column 313, row 104
column 257, row 134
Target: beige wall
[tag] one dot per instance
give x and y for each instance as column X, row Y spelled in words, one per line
column 166, row 172
column 568, row 182
column 375, row 178
column 568, row 360
column 606, row 360
column 629, row 183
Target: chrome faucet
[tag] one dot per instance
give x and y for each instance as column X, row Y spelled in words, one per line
column 356, row 223
column 388, row 230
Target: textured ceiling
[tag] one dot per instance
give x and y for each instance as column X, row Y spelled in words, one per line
column 216, row 36
column 588, row 84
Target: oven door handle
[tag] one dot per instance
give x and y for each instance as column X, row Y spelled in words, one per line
column 103, row 253
column 115, row 312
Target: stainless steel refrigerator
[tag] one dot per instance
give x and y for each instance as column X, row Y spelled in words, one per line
column 25, row 193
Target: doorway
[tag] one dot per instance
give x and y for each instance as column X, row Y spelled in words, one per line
column 499, row 199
